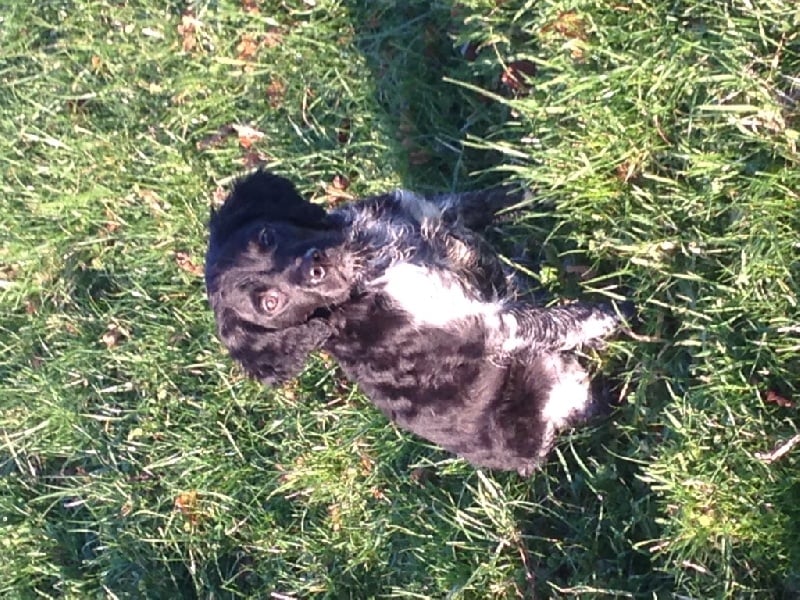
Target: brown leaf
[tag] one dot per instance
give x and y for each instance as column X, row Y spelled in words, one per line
column 773, row 397
column 367, row 463
column 247, row 135
column 185, row 263
column 254, row 158
column 343, row 133
column 218, row 197
column 187, row 503
column 378, row 494
column 31, row 305
column 423, row 475
column 250, row 6
column 154, row 202
column 247, row 47
column 272, row 39
column 340, row 182
column 516, row 73
column 113, row 335
column 336, row 190
column 215, row 139
column 626, row 171
column 276, row 91
column 335, row 515
column 188, row 31
column 568, row 24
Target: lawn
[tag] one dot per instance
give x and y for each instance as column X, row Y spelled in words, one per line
column 661, row 139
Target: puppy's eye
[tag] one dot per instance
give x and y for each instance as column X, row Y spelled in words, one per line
column 270, row 301
column 266, row 237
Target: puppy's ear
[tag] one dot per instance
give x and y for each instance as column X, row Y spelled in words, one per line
column 264, row 196
column 273, row 357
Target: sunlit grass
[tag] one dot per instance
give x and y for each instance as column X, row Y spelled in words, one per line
column 137, row 461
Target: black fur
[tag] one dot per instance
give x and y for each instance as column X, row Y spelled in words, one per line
column 406, row 295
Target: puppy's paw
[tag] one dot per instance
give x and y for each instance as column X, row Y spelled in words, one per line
column 609, row 319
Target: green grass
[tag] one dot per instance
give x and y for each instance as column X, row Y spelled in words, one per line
column 138, row 462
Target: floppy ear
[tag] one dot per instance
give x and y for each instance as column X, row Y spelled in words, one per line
column 263, row 195
column 272, row 357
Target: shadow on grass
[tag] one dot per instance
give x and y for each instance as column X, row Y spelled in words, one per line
column 409, row 50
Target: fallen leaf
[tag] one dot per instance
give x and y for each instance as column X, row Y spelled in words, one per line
column 187, row 504
column 112, row 222
column 367, row 463
column 343, row 133
column 97, row 63
column 31, row 306
column 218, row 197
column 340, row 182
column 247, row 135
column 626, row 171
column 773, row 397
column 185, row 263
column 114, row 333
column 250, row 6
column 215, row 139
column 335, row 515
column 254, row 158
column 276, row 91
column 272, row 39
column 247, row 47
column 516, row 74
column 378, row 494
column 188, row 31
column 156, row 205
column 568, row 24
column 422, row 475
column 335, row 191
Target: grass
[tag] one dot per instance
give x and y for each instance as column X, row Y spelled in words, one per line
column 138, row 462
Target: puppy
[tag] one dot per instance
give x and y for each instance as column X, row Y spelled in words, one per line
column 416, row 308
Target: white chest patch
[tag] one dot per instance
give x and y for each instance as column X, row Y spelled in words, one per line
column 430, row 297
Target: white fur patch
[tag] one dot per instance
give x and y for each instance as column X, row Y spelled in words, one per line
column 591, row 329
column 569, row 397
column 431, row 298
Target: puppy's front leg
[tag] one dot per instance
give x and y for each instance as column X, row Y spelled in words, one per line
column 560, row 327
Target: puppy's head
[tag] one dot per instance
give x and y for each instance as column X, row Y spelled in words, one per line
column 274, row 271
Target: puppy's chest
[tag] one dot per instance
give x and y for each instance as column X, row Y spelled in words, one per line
column 429, row 295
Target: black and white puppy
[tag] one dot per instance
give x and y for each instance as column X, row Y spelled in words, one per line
column 407, row 296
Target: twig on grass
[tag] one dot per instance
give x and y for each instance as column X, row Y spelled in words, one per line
column 779, row 451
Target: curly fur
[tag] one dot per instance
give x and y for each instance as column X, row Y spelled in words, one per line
column 416, row 308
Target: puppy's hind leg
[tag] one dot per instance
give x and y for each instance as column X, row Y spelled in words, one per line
column 561, row 327
column 477, row 210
